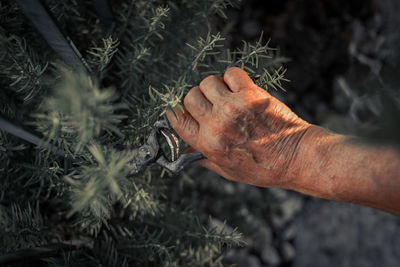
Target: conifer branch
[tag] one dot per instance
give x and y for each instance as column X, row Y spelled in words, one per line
column 35, row 253
column 24, row 69
column 101, row 56
column 274, row 80
column 141, row 71
column 80, row 109
column 205, row 47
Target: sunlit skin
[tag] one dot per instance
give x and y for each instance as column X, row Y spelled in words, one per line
column 250, row 137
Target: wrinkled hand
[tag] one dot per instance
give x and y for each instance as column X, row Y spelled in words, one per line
column 246, row 134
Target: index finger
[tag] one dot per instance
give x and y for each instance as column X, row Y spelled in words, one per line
column 184, row 125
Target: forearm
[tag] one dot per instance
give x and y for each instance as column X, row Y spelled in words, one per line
column 335, row 167
column 250, row 137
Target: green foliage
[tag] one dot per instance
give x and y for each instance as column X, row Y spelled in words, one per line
column 79, row 111
column 205, row 47
column 96, row 185
column 21, row 227
column 155, row 53
column 101, row 56
column 25, row 71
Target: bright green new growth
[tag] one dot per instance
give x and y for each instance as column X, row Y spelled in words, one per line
column 157, row 51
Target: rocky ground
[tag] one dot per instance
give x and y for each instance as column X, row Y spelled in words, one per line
column 333, row 46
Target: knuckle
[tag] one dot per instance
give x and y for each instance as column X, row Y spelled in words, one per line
column 255, row 101
column 231, row 71
column 209, row 80
column 250, row 101
column 188, row 100
column 232, row 110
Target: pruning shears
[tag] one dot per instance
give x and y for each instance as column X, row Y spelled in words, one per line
column 151, row 153
column 148, row 154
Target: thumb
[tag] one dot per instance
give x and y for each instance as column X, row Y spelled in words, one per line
column 208, row 164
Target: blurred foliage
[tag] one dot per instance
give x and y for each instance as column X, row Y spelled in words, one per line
column 372, row 85
column 153, row 54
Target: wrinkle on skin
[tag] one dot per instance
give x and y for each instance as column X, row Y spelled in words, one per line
column 249, row 136
column 245, row 133
column 196, row 102
column 214, row 89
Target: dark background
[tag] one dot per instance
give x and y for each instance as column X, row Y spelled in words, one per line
column 322, row 39
column 333, row 46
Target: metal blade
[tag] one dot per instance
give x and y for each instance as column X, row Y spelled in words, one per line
column 173, row 143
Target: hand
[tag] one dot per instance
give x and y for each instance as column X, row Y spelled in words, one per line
column 246, row 134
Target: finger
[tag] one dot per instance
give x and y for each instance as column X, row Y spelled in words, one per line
column 238, row 80
column 197, row 104
column 186, row 126
column 214, row 167
column 214, row 88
